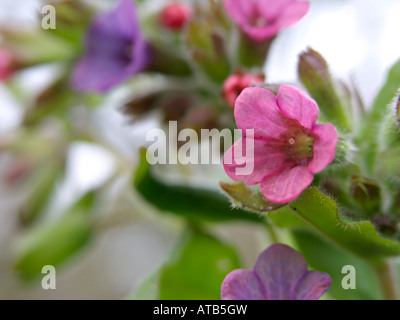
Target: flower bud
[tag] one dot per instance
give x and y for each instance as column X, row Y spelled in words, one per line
column 236, row 83
column 387, row 225
column 366, row 193
column 175, row 15
column 314, row 72
column 44, row 181
column 6, row 62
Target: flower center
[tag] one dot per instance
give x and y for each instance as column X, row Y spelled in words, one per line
column 257, row 19
column 299, row 143
column 260, row 22
column 127, row 52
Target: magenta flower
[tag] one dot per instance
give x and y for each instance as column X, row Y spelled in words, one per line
column 289, row 147
column 115, row 50
column 263, row 19
column 280, row 273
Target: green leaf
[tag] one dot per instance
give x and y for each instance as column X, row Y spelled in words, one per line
column 325, row 257
column 387, row 93
column 247, row 199
column 198, row 270
column 55, row 101
column 195, row 204
column 53, row 244
column 37, row 47
column 73, row 19
column 43, row 182
column 320, row 213
column 368, row 137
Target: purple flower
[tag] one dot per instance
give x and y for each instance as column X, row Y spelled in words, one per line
column 263, row 19
column 280, row 273
column 289, row 146
column 115, row 50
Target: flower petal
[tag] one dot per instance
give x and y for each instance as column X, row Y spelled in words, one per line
column 256, row 108
column 312, row 286
column 293, row 13
column 97, row 75
column 297, row 105
column 261, row 33
column 263, row 161
column 287, row 185
column 279, row 269
column 121, row 21
column 272, row 9
column 239, row 10
column 324, row 147
column 242, row 285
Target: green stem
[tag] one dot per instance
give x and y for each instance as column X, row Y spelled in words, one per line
column 387, row 279
column 272, row 233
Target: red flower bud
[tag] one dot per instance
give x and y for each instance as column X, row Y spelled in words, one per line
column 236, row 83
column 6, row 62
column 175, row 15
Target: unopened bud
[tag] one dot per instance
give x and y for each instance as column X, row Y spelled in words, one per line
column 366, row 193
column 175, row 15
column 236, row 83
column 314, row 72
column 313, row 67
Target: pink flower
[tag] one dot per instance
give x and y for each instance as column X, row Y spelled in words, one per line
column 289, row 147
column 176, row 15
column 263, row 19
column 236, row 83
column 280, row 273
column 6, row 62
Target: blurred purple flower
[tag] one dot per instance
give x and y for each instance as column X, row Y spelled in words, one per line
column 115, row 50
column 263, row 19
column 280, row 273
